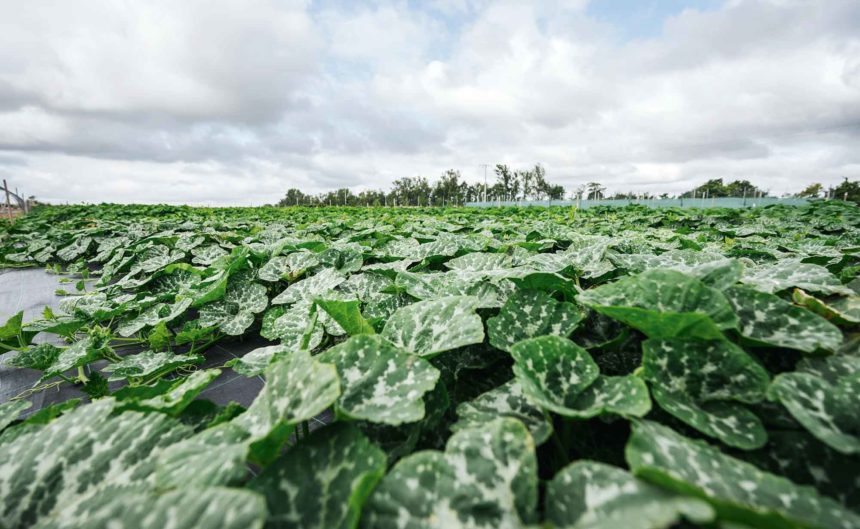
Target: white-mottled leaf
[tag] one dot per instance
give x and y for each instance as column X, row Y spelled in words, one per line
column 704, row 383
column 323, row 481
column 553, row 372
column 791, row 273
column 379, row 382
column 486, row 478
column 507, row 400
column 187, row 508
column 768, row 320
column 310, row 287
column 427, row 328
column 529, row 314
column 662, row 304
column 738, row 491
column 149, row 363
column 592, row 495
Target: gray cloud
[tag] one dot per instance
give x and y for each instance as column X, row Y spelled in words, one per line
column 233, row 102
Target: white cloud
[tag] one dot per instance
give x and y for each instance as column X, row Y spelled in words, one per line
column 233, row 102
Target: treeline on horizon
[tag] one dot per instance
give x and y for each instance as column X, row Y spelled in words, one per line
column 529, row 185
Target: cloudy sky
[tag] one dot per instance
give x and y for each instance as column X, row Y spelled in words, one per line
column 232, row 102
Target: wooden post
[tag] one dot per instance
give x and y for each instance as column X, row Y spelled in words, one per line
column 8, row 205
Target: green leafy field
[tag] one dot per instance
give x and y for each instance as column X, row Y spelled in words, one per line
column 609, row 368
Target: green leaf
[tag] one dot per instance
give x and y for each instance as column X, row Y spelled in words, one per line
column 529, row 314
column 379, row 382
column 626, row 396
column 235, row 313
column 738, row 491
column 159, row 336
column 713, row 269
column 255, row 362
column 57, row 466
column 149, row 364
column 298, row 388
column 507, row 400
column 427, row 328
column 9, row 411
column 78, row 354
column 290, row 324
column 791, row 273
column 592, row 495
column 347, row 314
column 486, row 478
column 178, row 396
column 275, row 269
column 323, row 481
column 11, row 327
column 152, row 316
column 189, row 508
column 553, row 372
column 803, row 459
column 827, row 409
column 768, row 320
column 39, row 357
column 664, row 304
column 216, row 456
column 309, row 288
column 703, row 384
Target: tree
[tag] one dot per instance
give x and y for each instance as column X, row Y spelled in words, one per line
column 849, row 191
column 294, row 197
column 812, row 191
column 594, row 190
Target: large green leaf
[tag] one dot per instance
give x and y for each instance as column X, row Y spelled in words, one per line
column 553, row 372
column 191, row 508
column 507, row 400
column 560, row 376
column 290, row 324
column 486, row 478
column 78, row 354
column 791, row 273
column 703, row 383
column 298, row 387
column 178, row 395
column 824, row 404
column 347, row 314
column 427, row 328
column 379, row 382
column 9, row 411
column 69, row 459
column 768, row 320
column 738, row 491
column 663, row 304
column 531, row 313
column 323, row 481
column 591, row 495
column 39, row 357
column 149, row 364
column 255, row 362
column 152, row 316
column 309, row 288
column 216, row 456
column 713, row 269
column 235, row 312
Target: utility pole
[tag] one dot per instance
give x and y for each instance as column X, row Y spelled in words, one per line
column 8, row 205
column 484, row 165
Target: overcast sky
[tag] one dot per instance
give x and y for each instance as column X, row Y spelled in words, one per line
column 233, row 102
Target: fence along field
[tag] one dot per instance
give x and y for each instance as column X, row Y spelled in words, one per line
column 490, row 368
